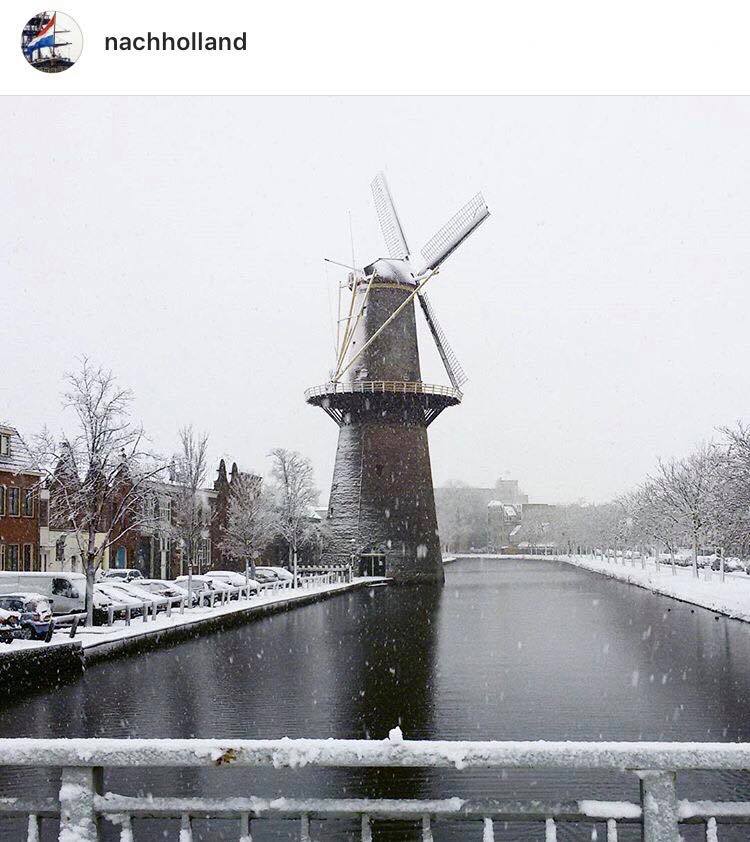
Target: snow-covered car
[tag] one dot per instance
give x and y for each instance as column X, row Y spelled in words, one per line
column 124, row 574
column 230, row 577
column 144, row 594
column 281, row 573
column 121, row 598
column 265, row 576
column 163, row 588
column 10, row 628
column 203, row 587
column 34, row 614
column 102, row 604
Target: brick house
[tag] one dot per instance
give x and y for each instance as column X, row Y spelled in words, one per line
column 24, row 507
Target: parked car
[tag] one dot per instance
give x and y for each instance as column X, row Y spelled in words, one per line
column 65, row 591
column 144, row 594
column 102, row 604
column 281, row 573
column 203, row 586
column 233, row 579
column 34, row 614
column 124, row 574
column 163, row 588
column 265, row 576
column 9, row 626
column 120, row 598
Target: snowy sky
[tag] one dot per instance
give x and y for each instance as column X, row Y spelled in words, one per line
column 601, row 313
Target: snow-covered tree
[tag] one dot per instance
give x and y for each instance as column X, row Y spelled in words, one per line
column 98, row 472
column 295, row 495
column 251, row 521
column 687, row 489
column 191, row 513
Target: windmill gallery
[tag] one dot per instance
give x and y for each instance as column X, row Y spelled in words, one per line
column 381, row 514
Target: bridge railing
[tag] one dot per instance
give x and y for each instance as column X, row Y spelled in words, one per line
column 82, row 805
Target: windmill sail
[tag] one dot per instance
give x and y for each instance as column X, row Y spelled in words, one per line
column 393, row 233
column 454, row 232
column 452, row 366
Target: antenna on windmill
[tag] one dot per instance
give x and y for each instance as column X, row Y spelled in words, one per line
column 438, row 248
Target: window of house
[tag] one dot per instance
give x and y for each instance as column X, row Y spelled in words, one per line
column 14, row 501
column 2, row 500
column 28, row 504
column 28, row 557
column 11, row 557
column 2, row 556
column 4, row 444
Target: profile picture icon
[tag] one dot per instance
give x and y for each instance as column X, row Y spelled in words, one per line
column 51, row 41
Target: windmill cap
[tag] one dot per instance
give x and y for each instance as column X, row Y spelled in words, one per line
column 390, row 269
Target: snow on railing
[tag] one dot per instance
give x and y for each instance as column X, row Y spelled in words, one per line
column 82, row 802
column 400, row 387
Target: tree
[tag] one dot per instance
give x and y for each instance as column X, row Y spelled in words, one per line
column 191, row 514
column 98, row 474
column 295, row 494
column 659, row 520
column 251, row 521
column 687, row 489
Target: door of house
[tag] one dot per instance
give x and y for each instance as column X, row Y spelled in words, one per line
column 372, row 564
column 121, row 559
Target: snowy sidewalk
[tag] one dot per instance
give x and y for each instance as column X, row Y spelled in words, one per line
column 197, row 619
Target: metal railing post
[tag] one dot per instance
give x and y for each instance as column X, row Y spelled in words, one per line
column 659, row 805
column 33, row 829
column 245, row 835
column 78, row 819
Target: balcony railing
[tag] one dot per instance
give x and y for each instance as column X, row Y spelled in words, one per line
column 82, row 805
column 399, row 387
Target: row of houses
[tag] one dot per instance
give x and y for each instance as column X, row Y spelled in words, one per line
column 31, row 539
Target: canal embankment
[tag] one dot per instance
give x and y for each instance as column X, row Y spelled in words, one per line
column 29, row 665
column 730, row 598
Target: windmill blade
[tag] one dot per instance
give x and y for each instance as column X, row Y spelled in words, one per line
column 393, row 233
column 454, row 232
column 452, row 366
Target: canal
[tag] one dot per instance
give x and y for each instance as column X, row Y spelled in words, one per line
column 508, row 649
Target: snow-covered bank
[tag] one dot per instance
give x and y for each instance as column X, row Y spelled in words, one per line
column 101, row 641
column 731, row 597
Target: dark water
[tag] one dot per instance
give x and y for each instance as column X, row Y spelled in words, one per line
column 507, row 650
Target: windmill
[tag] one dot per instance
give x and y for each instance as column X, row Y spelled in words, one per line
column 381, row 515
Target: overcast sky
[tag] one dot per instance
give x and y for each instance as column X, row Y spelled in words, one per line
column 601, row 313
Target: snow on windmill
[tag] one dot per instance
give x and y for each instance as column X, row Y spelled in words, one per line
column 381, row 513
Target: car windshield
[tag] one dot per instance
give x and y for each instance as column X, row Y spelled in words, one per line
column 12, row 604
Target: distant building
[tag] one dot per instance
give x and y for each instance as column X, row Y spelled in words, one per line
column 503, row 524
column 472, row 518
column 24, row 507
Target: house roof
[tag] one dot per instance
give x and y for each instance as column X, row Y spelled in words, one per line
column 19, row 460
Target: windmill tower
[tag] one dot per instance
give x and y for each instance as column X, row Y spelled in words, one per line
column 381, row 513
